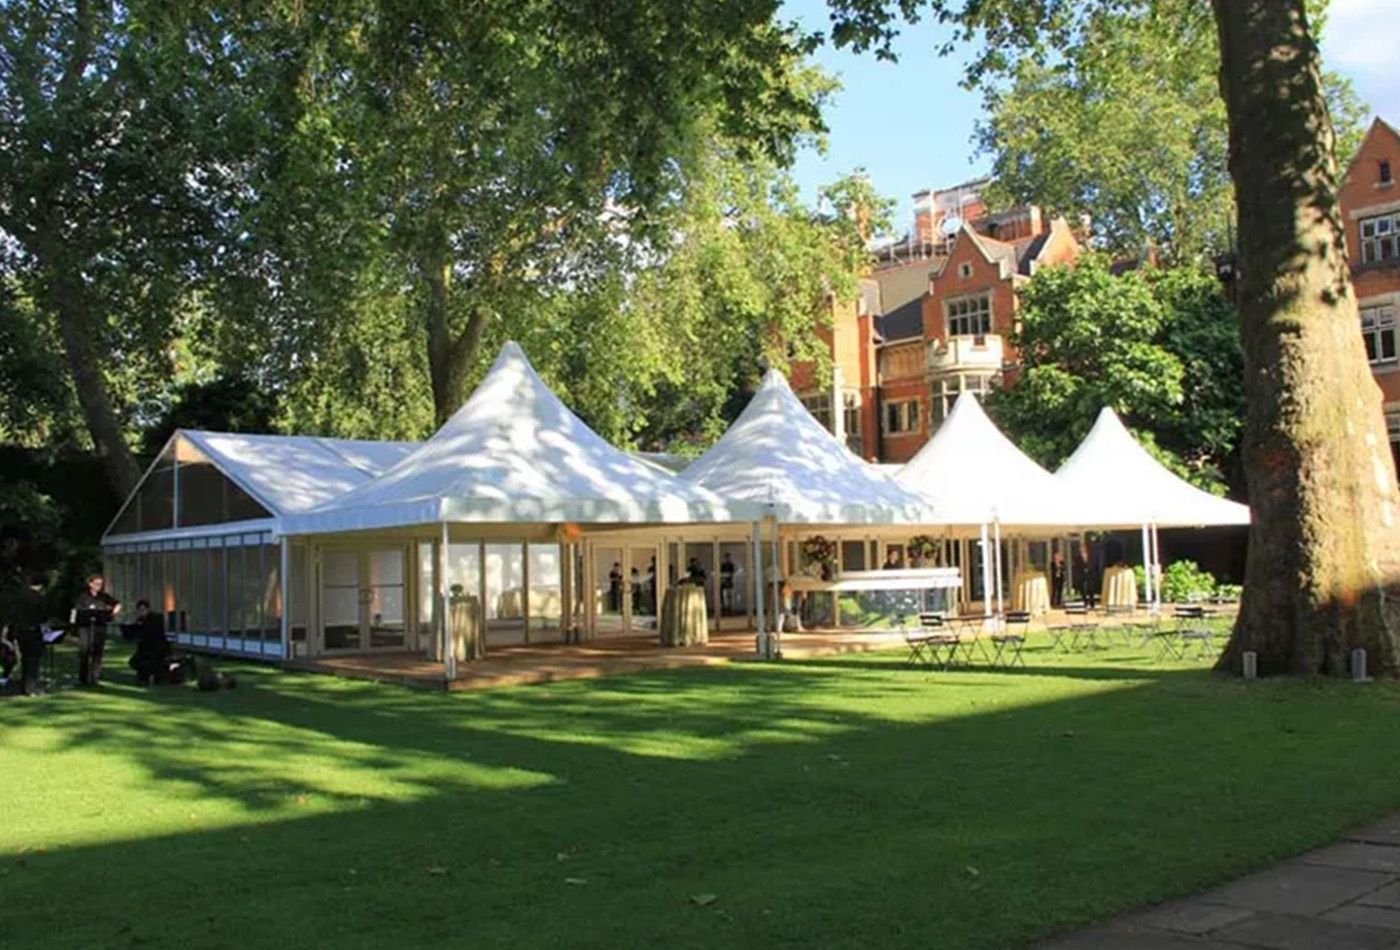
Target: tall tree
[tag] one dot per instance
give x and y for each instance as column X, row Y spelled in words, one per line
column 1160, row 347
column 1127, row 125
column 1323, row 574
column 103, row 188
column 497, row 158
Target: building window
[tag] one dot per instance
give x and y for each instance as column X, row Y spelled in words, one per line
column 819, row 405
column 1392, row 428
column 902, row 417
column 970, row 316
column 1379, row 236
column 851, row 403
column 1385, row 171
column 965, row 270
column 1378, row 332
column 947, row 389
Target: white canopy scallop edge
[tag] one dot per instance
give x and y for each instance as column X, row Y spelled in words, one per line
column 973, row 474
column 514, row 453
column 778, row 455
column 1112, row 481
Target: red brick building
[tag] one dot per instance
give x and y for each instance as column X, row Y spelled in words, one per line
column 1370, row 203
column 934, row 319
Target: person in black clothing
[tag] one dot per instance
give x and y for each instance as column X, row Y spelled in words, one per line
column 615, row 588
column 1057, row 580
column 726, row 582
column 23, row 630
column 99, row 607
column 892, row 562
column 695, row 572
column 151, row 660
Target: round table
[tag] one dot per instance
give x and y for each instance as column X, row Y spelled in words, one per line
column 1030, row 591
column 1119, row 588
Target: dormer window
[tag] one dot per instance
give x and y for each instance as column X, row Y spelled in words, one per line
column 1385, row 171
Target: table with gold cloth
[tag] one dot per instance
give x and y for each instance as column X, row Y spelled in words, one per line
column 1119, row 588
column 1030, row 591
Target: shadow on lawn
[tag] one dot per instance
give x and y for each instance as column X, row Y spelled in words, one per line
column 890, row 808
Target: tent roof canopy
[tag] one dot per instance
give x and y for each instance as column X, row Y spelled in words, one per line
column 778, row 455
column 514, row 453
column 1114, row 482
column 973, row 474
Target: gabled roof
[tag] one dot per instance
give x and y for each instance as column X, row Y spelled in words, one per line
column 974, row 474
column 514, row 453
column 1113, row 482
column 292, row 473
column 1378, row 127
column 778, row 455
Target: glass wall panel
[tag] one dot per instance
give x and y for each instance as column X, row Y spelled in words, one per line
column 546, row 587
column 271, row 583
column 642, row 579
column 700, row 568
column 245, row 591
column 853, row 556
column 197, row 603
column 169, row 578
column 735, row 585
column 427, row 591
column 218, row 594
column 340, row 599
column 607, row 576
column 297, row 591
column 385, row 591
column 505, row 593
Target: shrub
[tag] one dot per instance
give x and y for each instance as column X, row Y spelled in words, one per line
column 1182, row 579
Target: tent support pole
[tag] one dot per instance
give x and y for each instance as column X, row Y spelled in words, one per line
column 1146, row 565
column 996, row 528
column 1156, row 563
column 986, row 573
column 449, row 651
column 777, row 587
column 762, row 642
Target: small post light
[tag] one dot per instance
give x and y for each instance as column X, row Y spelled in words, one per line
column 1358, row 666
column 1251, row 665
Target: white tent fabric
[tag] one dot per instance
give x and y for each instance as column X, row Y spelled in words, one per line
column 294, row 473
column 514, row 453
column 778, row 455
column 973, row 474
column 1112, row 481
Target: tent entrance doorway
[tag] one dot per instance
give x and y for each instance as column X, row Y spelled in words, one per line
column 363, row 600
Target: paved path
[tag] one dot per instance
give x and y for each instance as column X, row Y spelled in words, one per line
column 1345, row 896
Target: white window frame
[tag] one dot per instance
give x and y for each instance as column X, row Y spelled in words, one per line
column 966, row 313
column 819, row 405
column 946, row 389
column 850, row 406
column 1380, row 237
column 1378, row 331
column 903, row 413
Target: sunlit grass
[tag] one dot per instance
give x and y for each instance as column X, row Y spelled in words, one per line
column 841, row 802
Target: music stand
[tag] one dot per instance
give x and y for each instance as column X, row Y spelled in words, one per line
column 51, row 636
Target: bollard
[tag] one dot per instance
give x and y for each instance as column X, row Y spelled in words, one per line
column 1251, row 665
column 1358, row 666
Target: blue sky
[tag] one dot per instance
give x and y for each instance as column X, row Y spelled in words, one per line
column 910, row 125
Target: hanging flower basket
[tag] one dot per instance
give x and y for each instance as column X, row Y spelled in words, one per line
column 922, row 547
column 820, row 556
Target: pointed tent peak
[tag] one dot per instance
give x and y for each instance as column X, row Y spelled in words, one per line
column 774, row 379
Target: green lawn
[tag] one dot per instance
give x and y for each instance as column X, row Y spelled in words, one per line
column 847, row 802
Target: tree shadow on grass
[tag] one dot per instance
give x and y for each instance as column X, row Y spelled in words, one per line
column 821, row 808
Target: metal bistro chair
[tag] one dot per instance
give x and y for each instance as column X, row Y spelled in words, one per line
column 1010, row 640
column 1193, row 628
column 1061, row 634
column 920, row 639
column 1081, row 627
column 1118, row 617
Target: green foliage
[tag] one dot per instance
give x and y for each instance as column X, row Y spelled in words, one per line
column 1161, row 348
column 1183, row 580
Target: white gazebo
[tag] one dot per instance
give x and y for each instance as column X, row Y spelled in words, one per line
column 777, row 455
column 514, row 465
column 976, row 477
column 1111, row 481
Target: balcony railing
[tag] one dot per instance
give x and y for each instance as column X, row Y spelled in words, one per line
column 966, row 352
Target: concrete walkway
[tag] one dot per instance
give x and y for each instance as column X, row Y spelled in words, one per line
column 1345, row 896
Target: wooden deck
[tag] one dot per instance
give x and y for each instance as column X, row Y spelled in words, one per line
column 607, row 656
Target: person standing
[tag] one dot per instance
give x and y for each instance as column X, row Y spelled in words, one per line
column 1057, row 579
column 93, row 610
column 24, row 622
column 615, row 588
column 726, row 582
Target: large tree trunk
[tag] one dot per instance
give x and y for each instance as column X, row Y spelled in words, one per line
column 449, row 355
column 1323, row 574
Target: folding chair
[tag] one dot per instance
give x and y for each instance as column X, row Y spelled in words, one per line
column 1007, row 642
column 917, row 642
column 1061, row 635
column 1118, row 616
